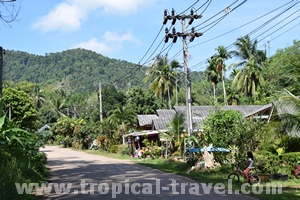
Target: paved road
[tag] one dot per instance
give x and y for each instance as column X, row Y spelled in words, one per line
column 98, row 177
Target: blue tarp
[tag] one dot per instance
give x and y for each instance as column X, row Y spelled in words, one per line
column 209, row 149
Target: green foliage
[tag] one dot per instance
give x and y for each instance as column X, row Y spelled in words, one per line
column 152, row 151
column 283, row 71
column 270, row 137
column 290, row 144
column 111, row 98
column 268, row 163
column 223, row 128
column 228, row 128
column 291, row 159
column 23, row 112
column 123, row 149
column 113, row 149
column 21, row 161
column 76, row 69
column 70, row 130
column 142, row 101
column 265, row 162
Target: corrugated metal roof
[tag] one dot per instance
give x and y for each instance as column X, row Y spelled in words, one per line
column 161, row 123
column 166, row 114
column 199, row 113
column 144, row 120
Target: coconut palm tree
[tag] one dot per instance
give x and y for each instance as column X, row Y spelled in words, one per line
column 288, row 108
column 249, row 78
column 247, row 49
column 124, row 117
column 221, row 57
column 163, row 76
column 38, row 96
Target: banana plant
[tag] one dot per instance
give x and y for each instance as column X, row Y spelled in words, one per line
column 8, row 133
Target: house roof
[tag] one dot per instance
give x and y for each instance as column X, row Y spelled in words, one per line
column 166, row 114
column 162, row 119
column 146, row 132
column 204, row 111
column 146, row 120
column 46, row 127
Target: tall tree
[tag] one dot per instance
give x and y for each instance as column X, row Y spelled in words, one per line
column 163, row 76
column 246, row 49
column 38, row 96
column 124, row 117
column 249, row 78
column 221, row 57
column 142, row 101
column 212, row 75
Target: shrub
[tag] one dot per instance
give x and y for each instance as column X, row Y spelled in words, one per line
column 291, row 161
column 113, row 149
column 152, row 151
column 124, row 149
column 265, row 162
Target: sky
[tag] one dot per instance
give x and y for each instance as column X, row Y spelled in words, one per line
column 133, row 30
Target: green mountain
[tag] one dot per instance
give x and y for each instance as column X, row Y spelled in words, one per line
column 77, row 69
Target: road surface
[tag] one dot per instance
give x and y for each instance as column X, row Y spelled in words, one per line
column 86, row 176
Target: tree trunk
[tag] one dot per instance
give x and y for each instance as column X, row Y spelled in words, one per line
column 224, row 90
column 214, row 88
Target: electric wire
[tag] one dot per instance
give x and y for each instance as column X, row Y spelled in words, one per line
column 214, row 16
column 240, row 26
column 139, row 65
column 192, row 6
column 279, row 23
column 257, row 29
column 284, row 32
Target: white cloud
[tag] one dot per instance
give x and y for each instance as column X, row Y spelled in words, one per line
column 111, row 42
column 69, row 15
column 64, row 17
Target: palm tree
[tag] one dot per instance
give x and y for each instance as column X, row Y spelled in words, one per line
column 123, row 116
column 58, row 105
column 247, row 49
column 212, row 74
column 163, row 76
column 38, row 96
column 288, row 108
column 249, row 78
column 176, row 127
column 221, row 57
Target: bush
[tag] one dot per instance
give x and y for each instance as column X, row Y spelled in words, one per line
column 113, row 149
column 291, row 161
column 17, row 170
column 124, row 149
column 265, row 162
column 152, row 151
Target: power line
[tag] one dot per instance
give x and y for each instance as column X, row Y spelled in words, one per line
column 139, row 65
column 241, row 25
column 257, row 29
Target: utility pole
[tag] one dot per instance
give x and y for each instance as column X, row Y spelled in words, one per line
column 1, row 70
column 184, row 34
column 100, row 102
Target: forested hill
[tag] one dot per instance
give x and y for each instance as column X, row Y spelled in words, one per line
column 79, row 69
